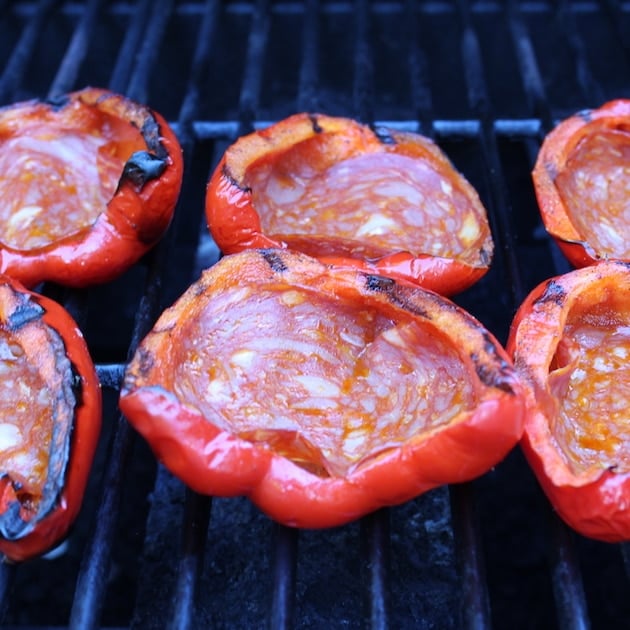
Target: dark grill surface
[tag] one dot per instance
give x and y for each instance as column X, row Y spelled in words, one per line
column 487, row 80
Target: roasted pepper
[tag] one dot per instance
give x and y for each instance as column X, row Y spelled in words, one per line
column 322, row 393
column 50, row 401
column 88, row 184
column 570, row 339
column 385, row 202
column 581, row 184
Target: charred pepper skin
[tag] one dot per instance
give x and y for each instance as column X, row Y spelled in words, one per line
column 220, row 461
column 592, row 498
column 138, row 213
column 32, row 524
column 325, row 142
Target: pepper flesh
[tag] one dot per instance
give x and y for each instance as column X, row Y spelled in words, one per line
column 571, row 340
column 88, row 185
column 321, row 393
column 50, row 415
column 387, row 202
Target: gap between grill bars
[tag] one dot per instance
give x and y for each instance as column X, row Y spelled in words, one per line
column 456, row 558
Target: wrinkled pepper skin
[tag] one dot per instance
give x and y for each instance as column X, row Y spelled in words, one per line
column 592, row 498
column 141, row 208
column 571, row 223
column 325, row 143
column 213, row 459
column 34, row 519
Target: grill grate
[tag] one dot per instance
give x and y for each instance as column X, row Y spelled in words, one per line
column 486, row 80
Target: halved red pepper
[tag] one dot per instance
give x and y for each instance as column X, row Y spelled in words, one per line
column 385, row 202
column 321, row 393
column 88, row 184
column 50, row 419
column 581, row 184
column 571, row 341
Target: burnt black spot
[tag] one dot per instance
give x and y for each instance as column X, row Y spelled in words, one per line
column 25, row 313
column 274, row 260
column 384, row 135
column 553, row 293
column 144, row 360
column 151, row 135
column 315, row 123
column 11, row 524
column 227, row 174
column 585, row 114
column 494, row 374
column 381, row 284
column 141, row 168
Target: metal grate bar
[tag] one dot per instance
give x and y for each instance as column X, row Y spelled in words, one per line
column 16, row 66
column 420, row 93
column 285, row 545
column 139, row 82
column 498, row 204
column 363, row 96
column 475, row 605
column 615, row 13
column 197, row 508
column 121, row 75
column 92, row 578
column 253, row 72
column 76, row 51
column 528, row 66
column 195, row 533
column 590, row 87
column 567, row 578
column 308, row 98
column 375, row 529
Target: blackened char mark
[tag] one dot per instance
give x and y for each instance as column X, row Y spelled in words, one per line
column 315, row 124
column 380, row 284
column 145, row 361
column 492, row 369
column 141, row 168
column 25, row 313
column 227, row 175
column 553, row 293
column 12, row 525
column 395, row 294
column 274, row 260
column 151, row 135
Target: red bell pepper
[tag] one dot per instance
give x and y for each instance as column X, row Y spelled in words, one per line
column 582, row 186
column 570, row 339
column 386, row 202
column 50, row 403
column 88, row 184
column 321, row 393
